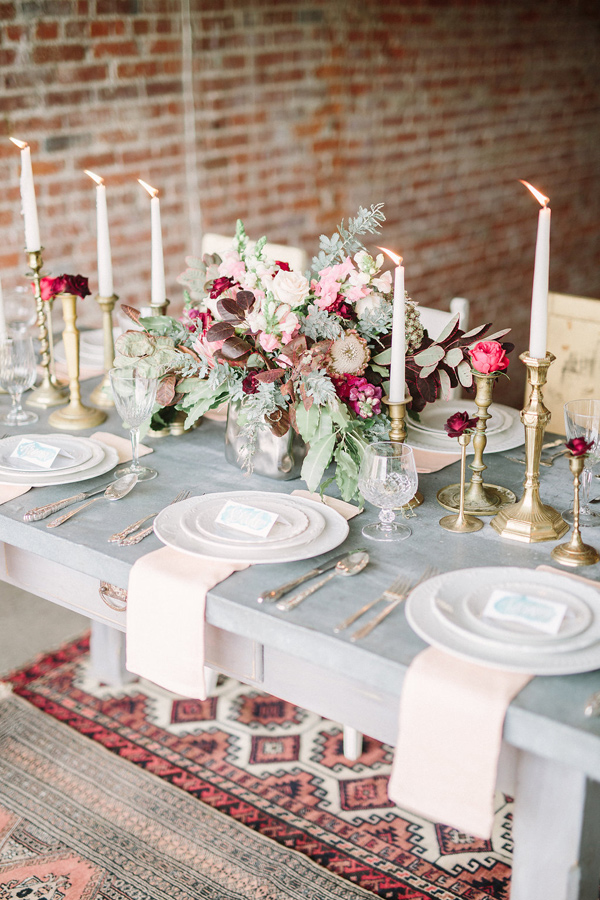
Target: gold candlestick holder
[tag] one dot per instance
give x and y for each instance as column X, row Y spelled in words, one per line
column 75, row 415
column 575, row 552
column 480, row 498
column 49, row 392
column 529, row 520
column 159, row 309
column 397, row 413
column 102, row 394
column 462, row 523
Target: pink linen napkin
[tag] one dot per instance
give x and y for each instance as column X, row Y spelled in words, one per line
column 450, row 732
column 166, row 602
column 12, row 491
column 121, row 445
column 433, row 460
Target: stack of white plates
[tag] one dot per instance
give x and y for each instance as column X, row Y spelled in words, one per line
column 303, row 529
column 449, row 612
column 83, row 458
column 91, row 349
column 504, row 429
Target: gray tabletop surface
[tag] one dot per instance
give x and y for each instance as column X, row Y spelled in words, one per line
column 546, row 717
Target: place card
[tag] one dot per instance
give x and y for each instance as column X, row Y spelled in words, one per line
column 535, row 612
column 37, row 453
column 248, row 519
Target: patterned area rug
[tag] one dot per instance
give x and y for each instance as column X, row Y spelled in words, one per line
column 79, row 824
column 279, row 770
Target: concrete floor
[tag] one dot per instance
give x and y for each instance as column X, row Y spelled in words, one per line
column 30, row 625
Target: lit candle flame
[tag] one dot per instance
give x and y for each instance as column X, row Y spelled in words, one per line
column 97, row 178
column 393, row 256
column 542, row 200
column 20, row 144
column 152, row 191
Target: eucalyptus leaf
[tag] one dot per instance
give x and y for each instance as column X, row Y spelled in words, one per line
column 316, row 461
column 454, row 356
column 164, row 325
column 445, row 384
column 426, row 372
column 325, row 425
column 448, row 328
column 383, row 358
column 495, row 336
column 307, row 421
column 339, row 414
column 430, row 356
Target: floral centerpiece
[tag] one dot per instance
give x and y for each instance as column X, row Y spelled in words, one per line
column 309, row 351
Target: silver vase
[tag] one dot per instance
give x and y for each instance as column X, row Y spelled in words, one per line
column 275, row 457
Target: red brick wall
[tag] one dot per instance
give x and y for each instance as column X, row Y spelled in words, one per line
column 303, row 111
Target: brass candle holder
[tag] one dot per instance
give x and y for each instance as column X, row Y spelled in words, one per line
column 480, row 498
column 49, row 392
column 75, row 415
column 102, row 394
column 159, row 309
column 575, row 552
column 397, row 413
column 462, row 523
column 529, row 520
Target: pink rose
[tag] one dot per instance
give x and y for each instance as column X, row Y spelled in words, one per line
column 488, row 356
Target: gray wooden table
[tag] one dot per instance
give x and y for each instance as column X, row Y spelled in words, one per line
column 551, row 751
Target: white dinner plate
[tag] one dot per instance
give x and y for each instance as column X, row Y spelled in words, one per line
column 435, row 415
column 507, row 439
column 107, row 459
column 168, row 528
column 292, row 526
column 78, row 452
column 550, row 658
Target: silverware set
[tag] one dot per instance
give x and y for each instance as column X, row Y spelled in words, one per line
column 549, row 460
column 127, row 538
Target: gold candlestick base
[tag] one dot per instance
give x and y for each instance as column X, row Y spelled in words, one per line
column 397, row 413
column 159, row 309
column 75, row 415
column 102, row 394
column 575, row 552
column 461, row 524
column 49, row 393
column 529, row 520
column 495, row 497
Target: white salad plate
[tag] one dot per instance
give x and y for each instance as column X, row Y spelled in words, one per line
column 77, row 453
column 293, row 525
column 435, row 415
column 169, row 529
column 104, row 458
column 506, row 439
column 446, row 611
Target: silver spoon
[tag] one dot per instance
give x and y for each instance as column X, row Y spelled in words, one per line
column 350, row 565
column 114, row 491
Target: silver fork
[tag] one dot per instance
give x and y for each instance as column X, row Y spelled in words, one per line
column 119, row 536
column 394, row 600
column 397, row 587
column 549, row 461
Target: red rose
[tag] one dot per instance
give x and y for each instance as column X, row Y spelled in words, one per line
column 71, row 284
column 460, row 423
column 578, row 446
column 46, row 288
column 283, row 266
column 250, row 383
column 340, row 307
column 488, row 356
column 219, row 285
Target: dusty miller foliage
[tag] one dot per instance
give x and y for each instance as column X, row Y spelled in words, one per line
column 345, row 241
column 319, row 325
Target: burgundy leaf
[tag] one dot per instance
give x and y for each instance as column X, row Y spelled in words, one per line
column 166, row 390
column 133, row 313
column 245, row 299
column 220, row 331
column 235, row 348
column 270, row 375
column 230, row 310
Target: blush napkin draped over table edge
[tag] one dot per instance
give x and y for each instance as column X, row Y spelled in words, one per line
column 432, row 460
column 166, row 601
column 120, row 444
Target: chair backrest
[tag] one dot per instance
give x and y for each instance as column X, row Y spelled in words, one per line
column 294, row 256
column 574, row 338
column 434, row 320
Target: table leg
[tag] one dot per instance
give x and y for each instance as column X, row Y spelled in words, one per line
column 556, row 832
column 353, row 743
column 107, row 655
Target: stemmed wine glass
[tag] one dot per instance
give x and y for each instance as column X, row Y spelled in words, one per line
column 388, row 479
column 134, row 395
column 17, row 374
column 582, row 419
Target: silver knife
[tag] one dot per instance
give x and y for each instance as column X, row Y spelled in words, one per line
column 40, row 512
column 270, row 596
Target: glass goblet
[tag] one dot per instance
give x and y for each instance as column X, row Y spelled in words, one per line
column 17, row 374
column 582, row 419
column 134, row 395
column 388, row 479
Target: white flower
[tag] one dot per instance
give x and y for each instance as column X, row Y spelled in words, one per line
column 383, row 283
column 290, row 287
column 365, row 263
column 363, row 304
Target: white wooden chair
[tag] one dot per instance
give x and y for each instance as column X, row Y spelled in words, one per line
column 434, row 320
column 294, row 256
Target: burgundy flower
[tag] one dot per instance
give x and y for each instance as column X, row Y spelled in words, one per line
column 283, row 266
column 578, row 446
column 71, row 284
column 360, row 395
column 460, row 423
column 340, row 307
column 223, row 283
column 250, row 383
